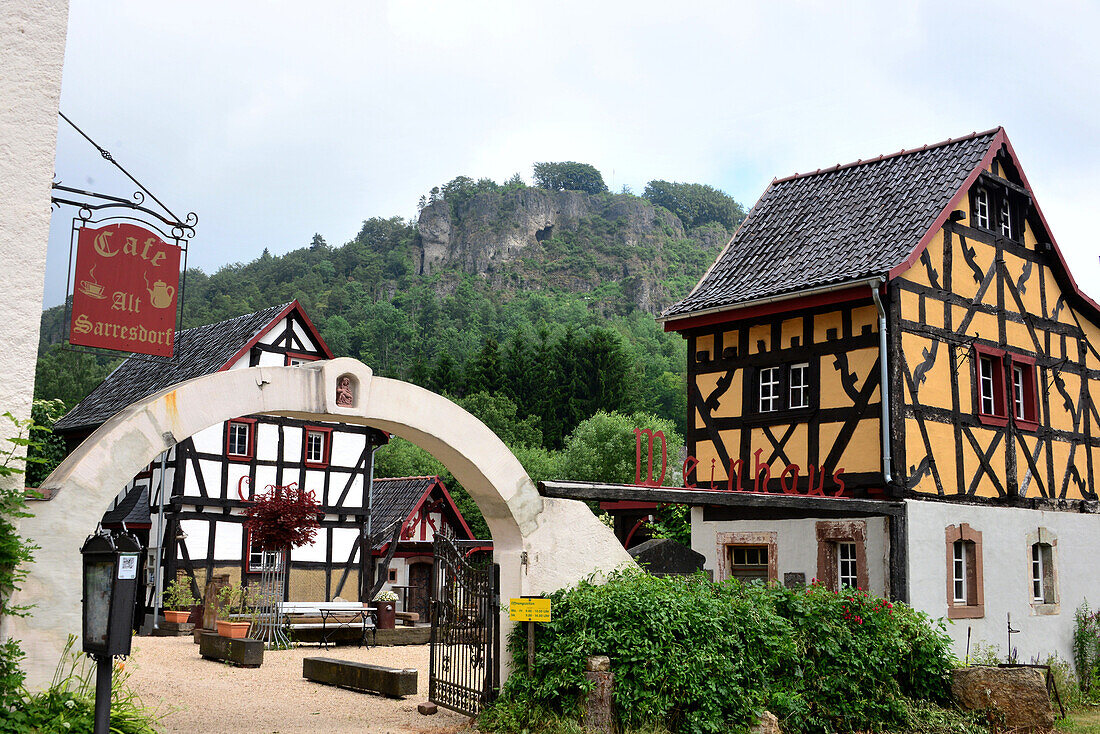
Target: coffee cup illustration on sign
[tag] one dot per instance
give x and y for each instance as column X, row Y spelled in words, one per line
column 160, row 294
column 92, row 287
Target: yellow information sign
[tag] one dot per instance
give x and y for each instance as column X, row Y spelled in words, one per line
column 529, row 610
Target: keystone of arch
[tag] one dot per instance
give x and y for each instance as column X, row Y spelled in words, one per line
column 562, row 540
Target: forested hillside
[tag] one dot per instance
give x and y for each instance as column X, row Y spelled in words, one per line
column 543, row 295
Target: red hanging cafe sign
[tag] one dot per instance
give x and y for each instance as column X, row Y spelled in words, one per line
column 125, row 288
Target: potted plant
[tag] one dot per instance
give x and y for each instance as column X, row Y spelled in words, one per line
column 231, row 605
column 178, row 601
column 385, row 601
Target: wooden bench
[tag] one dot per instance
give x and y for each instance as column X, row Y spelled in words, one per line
column 329, row 617
column 393, row 682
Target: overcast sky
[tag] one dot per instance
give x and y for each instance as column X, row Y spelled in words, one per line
column 274, row 121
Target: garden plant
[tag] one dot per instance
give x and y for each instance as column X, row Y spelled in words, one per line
column 689, row 655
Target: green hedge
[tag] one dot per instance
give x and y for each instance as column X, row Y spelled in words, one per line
column 694, row 656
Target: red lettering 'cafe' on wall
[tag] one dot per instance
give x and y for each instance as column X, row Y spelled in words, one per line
column 125, row 290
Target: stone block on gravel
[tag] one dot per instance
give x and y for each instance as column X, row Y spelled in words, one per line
column 243, row 652
column 392, row 682
column 427, row 708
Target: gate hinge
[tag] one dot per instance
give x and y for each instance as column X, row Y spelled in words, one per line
column 523, row 560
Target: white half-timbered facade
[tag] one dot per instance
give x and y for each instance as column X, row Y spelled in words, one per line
column 188, row 505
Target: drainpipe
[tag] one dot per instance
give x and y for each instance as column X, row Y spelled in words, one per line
column 160, row 544
column 884, row 384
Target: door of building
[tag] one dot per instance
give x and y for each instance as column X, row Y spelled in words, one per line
column 420, row 590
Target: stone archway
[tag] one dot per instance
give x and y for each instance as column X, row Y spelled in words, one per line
column 562, row 539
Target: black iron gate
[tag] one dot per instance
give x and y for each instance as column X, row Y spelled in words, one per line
column 465, row 627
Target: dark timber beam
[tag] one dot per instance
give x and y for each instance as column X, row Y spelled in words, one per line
column 589, row 491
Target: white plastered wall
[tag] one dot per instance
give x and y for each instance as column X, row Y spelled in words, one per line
column 796, row 544
column 32, row 51
column 562, row 539
column 1007, row 573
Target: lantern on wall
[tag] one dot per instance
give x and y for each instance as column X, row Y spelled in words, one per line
column 110, row 587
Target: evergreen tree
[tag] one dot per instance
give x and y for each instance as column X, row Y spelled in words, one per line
column 483, row 374
column 516, row 382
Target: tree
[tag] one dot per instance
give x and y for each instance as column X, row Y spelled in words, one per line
column 607, row 384
column 483, row 373
column 569, row 176
column 695, row 204
column 318, row 243
column 602, row 448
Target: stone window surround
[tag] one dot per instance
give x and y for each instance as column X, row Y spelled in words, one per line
column 1044, row 535
column 767, row 538
column 831, row 532
column 956, row 610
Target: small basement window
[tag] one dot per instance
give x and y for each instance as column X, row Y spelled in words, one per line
column 749, row 562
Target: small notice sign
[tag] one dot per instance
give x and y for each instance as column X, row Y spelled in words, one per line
column 529, row 610
column 127, row 566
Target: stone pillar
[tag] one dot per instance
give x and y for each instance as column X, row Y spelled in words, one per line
column 597, row 704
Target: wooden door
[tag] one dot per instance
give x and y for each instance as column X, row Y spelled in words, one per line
column 420, row 579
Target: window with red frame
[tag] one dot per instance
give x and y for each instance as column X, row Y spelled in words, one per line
column 1006, row 388
column 294, row 359
column 1025, row 397
column 317, row 446
column 240, row 439
column 991, row 384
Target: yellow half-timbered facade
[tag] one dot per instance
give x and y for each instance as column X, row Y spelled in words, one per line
column 895, row 353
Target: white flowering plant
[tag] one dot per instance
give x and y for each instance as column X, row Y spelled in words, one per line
column 385, row 595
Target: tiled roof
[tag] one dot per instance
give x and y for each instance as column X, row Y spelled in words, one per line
column 393, row 501
column 133, row 509
column 836, row 225
column 202, row 350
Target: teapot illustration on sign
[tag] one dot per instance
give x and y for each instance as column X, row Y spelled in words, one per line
column 160, row 294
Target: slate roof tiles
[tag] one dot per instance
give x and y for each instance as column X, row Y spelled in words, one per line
column 839, row 224
column 201, row 350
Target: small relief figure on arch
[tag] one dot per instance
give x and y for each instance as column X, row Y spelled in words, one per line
column 345, row 391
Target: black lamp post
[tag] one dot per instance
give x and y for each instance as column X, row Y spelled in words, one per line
column 111, row 566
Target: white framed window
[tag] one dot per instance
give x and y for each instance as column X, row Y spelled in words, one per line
column 315, row 447
column 1019, row 403
column 258, row 559
column 769, row 389
column 800, row 386
column 987, row 385
column 1006, row 218
column 1042, row 573
column 847, row 569
column 238, row 439
column 981, row 208
column 959, row 572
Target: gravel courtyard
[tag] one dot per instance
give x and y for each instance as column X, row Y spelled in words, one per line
column 205, row 696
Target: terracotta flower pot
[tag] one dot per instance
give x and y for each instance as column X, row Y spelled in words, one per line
column 176, row 617
column 385, row 614
column 233, row 629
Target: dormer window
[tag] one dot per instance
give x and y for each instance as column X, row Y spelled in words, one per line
column 1006, row 218
column 981, row 208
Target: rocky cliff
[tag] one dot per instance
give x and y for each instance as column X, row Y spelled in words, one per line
column 534, row 238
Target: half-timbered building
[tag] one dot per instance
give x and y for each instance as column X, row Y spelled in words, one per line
column 188, row 504
column 896, row 353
